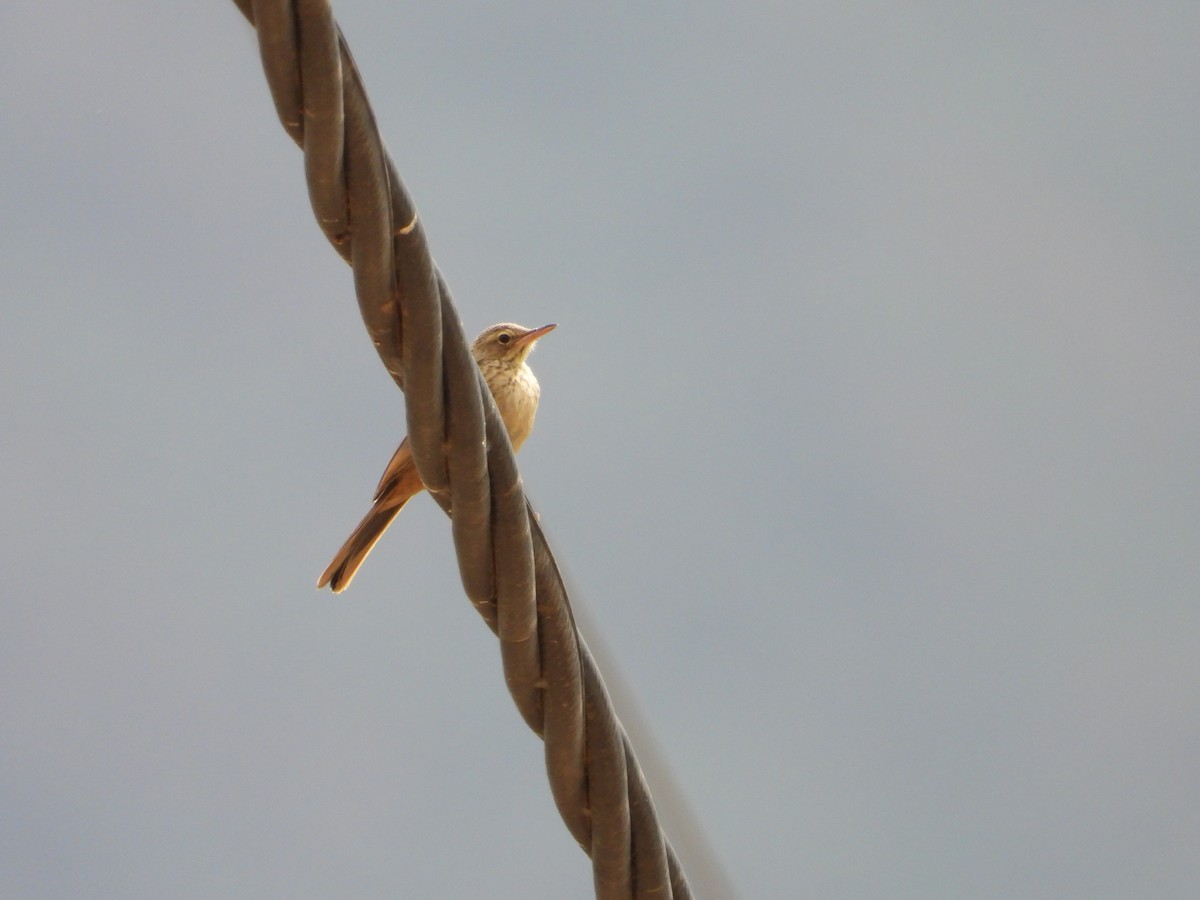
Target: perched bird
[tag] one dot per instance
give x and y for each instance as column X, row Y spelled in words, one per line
column 500, row 352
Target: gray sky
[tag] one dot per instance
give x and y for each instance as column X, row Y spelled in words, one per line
column 868, row 443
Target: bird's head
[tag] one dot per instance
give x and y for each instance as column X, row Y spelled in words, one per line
column 507, row 342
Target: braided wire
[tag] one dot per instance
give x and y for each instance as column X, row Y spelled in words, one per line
column 461, row 449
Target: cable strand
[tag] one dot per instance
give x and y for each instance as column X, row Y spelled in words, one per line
column 461, row 449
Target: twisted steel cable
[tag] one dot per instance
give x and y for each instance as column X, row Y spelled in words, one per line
column 461, row 449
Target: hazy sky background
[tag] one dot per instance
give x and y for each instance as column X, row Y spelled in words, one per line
column 869, row 441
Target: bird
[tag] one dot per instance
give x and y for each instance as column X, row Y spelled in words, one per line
column 501, row 353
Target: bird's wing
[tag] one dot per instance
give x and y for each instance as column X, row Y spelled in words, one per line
column 401, row 467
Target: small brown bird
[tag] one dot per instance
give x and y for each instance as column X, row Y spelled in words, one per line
column 500, row 352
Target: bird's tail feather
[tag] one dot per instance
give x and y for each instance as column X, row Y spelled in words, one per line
column 345, row 563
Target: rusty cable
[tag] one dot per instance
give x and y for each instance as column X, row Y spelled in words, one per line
column 506, row 567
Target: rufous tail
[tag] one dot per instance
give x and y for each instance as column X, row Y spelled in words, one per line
column 345, row 564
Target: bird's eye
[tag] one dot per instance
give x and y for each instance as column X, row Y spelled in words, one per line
column 504, row 337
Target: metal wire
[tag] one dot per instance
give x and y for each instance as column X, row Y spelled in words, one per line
column 506, row 567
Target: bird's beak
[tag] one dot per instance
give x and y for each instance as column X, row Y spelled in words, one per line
column 533, row 334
